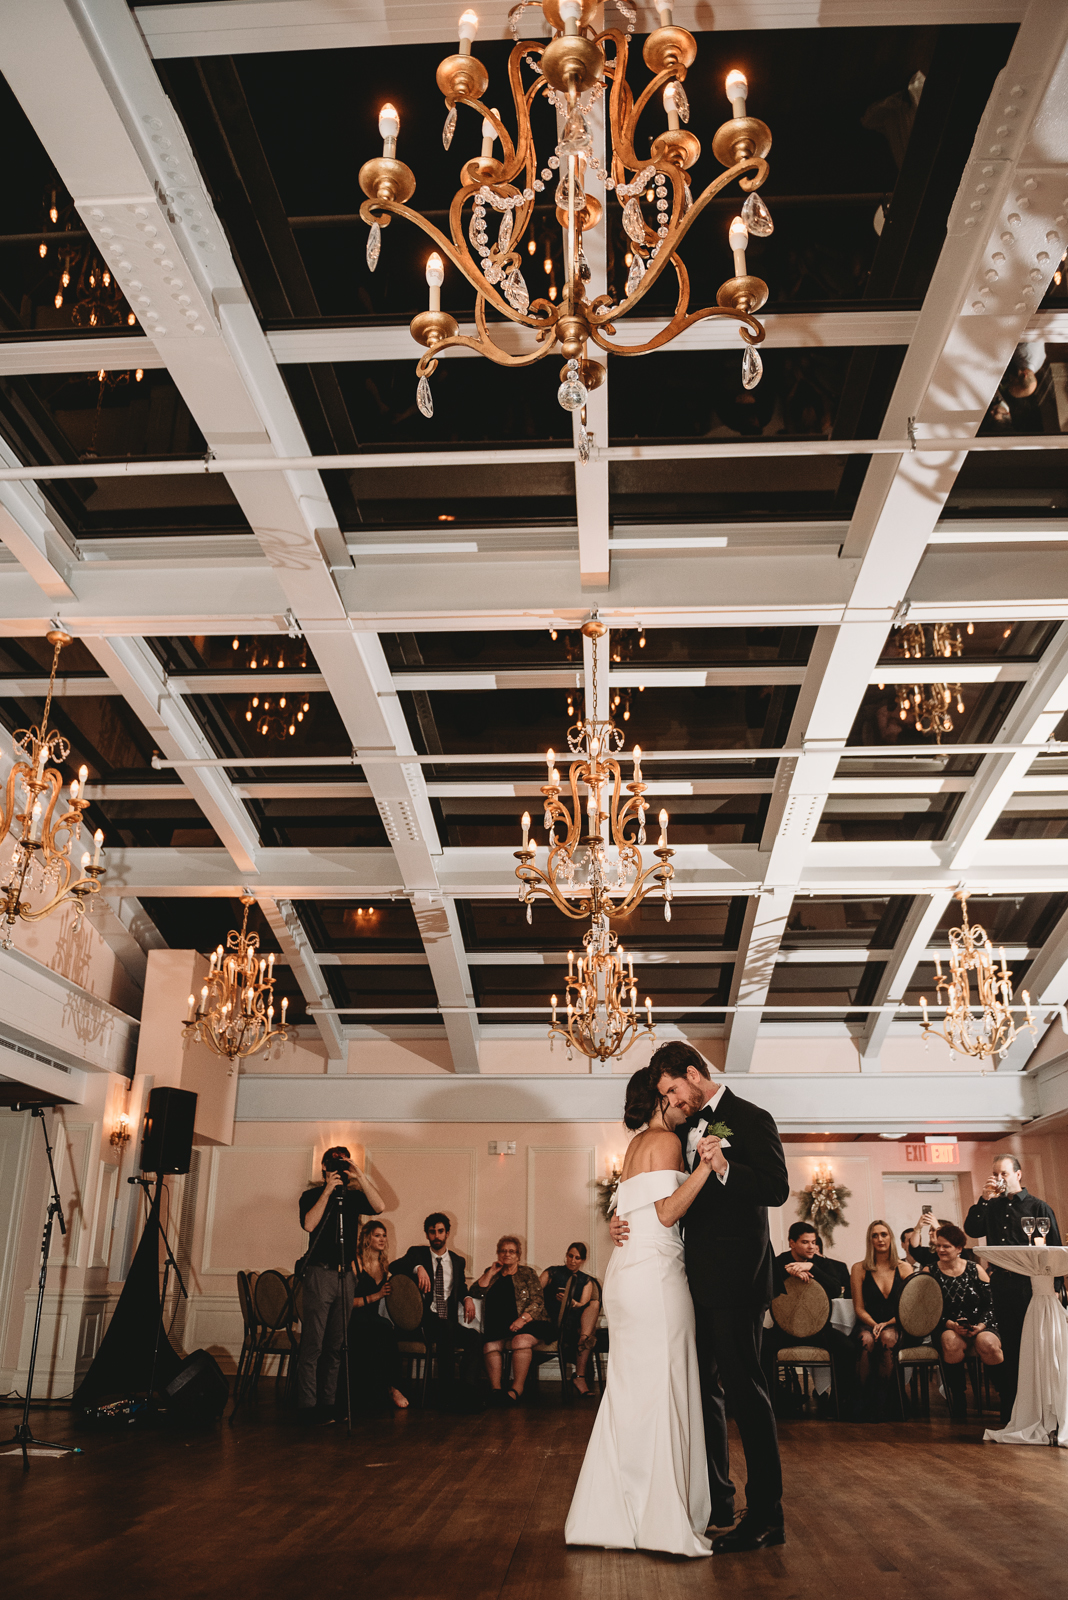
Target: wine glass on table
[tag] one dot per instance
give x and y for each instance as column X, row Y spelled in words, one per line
column 1028, row 1226
column 1042, row 1227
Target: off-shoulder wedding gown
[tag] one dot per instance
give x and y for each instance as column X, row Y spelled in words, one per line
column 644, row 1482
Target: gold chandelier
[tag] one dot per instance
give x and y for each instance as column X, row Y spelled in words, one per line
column 43, row 847
column 971, row 954
column 582, row 856
column 601, row 1000
column 929, row 706
column 235, row 1016
column 276, row 716
column 576, row 70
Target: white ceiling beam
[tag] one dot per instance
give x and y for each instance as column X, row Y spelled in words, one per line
column 131, row 665
column 234, row 27
column 1047, row 985
column 295, row 946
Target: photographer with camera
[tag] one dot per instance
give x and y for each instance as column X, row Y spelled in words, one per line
column 330, row 1212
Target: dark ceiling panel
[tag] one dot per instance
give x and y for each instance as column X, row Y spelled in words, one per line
column 871, row 923
column 1008, row 918
column 341, row 926
column 490, row 925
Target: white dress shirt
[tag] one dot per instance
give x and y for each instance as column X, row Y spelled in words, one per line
column 708, row 1112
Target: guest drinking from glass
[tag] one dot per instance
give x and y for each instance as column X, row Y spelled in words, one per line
column 877, row 1282
column 514, row 1316
column 567, row 1291
column 375, row 1365
column 968, row 1326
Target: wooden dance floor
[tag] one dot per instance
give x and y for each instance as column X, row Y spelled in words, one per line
column 430, row 1507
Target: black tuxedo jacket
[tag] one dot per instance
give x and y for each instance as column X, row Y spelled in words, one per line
column 421, row 1255
column 728, row 1248
column 829, row 1274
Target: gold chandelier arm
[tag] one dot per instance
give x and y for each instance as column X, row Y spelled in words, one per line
column 68, row 893
column 675, row 327
column 17, row 771
column 485, row 347
column 681, row 228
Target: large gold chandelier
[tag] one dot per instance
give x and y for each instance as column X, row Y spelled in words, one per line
column 45, row 842
column 993, row 1030
column 601, row 999
column 235, row 1016
column 607, row 889
column 929, row 706
column 575, row 70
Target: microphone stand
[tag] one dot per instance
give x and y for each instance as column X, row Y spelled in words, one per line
column 343, row 1270
column 23, row 1436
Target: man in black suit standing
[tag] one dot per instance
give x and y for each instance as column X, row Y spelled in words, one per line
column 440, row 1275
column 729, row 1266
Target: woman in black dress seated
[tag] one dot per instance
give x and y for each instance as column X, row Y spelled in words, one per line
column 375, row 1366
column 877, row 1282
column 968, row 1326
column 513, row 1316
column 568, row 1291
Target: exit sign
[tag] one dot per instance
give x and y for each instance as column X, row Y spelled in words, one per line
column 933, row 1155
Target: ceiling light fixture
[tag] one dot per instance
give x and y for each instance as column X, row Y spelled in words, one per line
column 970, row 952
column 929, row 705
column 235, row 1017
column 42, row 850
column 575, row 70
column 593, row 744
column 601, row 1000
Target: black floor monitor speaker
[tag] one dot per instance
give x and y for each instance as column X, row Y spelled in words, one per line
column 199, row 1390
column 167, row 1135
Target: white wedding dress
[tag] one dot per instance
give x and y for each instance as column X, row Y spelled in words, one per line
column 644, row 1482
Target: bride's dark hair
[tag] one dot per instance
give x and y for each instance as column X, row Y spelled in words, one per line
column 643, row 1098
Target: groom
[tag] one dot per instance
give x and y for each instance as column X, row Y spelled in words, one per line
column 729, row 1267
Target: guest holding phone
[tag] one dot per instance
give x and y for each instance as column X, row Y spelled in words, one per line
column 568, row 1290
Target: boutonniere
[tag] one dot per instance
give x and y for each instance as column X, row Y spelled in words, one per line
column 716, row 1130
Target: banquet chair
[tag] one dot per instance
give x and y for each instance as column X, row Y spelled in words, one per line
column 919, row 1312
column 273, row 1305
column 803, row 1311
column 249, row 1324
column 405, row 1308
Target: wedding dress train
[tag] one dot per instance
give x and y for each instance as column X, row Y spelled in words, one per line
column 644, row 1481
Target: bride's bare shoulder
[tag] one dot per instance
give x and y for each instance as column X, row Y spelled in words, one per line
column 655, row 1150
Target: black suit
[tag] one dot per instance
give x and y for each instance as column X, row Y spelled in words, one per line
column 729, row 1265
column 998, row 1222
column 447, row 1335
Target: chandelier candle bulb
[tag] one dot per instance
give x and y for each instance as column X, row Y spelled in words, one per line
column 526, row 829
column 667, row 16
column 637, row 763
column 663, row 828
column 435, row 277
column 738, row 238
column 389, row 128
column 85, row 859
column 570, row 14
column 553, row 1003
column 489, row 134
column 737, row 91
column 192, row 1007
column 671, row 108
column 467, row 30
column 571, row 963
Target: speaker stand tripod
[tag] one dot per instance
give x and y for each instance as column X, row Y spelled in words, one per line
column 23, row 1437
column 169, row 1264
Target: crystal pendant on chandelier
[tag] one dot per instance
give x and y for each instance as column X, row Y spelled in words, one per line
column 633, row 221
column 423, row 398
column 752, row 367
column 563, row 193
column 449, row 129
column 682, row 101
column 585, row 444
column 636, row 274
column 757, row 217
column 504, row 237
column 374, row 246
column 572, row 393
column 516, row 292
column 576, row 139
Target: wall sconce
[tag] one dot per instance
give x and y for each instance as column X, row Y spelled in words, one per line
column 121, row 1133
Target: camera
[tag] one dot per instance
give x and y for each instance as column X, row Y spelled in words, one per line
column 337, row 1161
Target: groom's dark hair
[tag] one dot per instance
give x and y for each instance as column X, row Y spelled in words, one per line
column 672, row 1059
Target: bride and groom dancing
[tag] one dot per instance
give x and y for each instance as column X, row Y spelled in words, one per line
column 685, row 1309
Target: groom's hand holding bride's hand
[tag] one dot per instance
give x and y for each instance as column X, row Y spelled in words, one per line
column 710, row 1150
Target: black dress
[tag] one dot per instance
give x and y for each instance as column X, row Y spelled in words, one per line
column 966, row 1299
column 566, row 1313
column 375, row 1366
column 881, row 1307
column 501, row 1311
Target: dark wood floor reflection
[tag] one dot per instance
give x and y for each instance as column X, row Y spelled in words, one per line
column 430, row 1507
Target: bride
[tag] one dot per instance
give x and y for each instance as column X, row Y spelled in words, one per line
column 644, row 1482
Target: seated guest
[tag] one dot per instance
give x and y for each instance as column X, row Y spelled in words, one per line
column 803, row 1260
column 448, row 1307
column 375, row 1366
column 968, row 1326
column 905, row 1247
column 924, row 1254
column 514, row 1316
column 567, row 1291
column 877, row 1283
